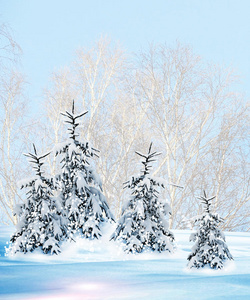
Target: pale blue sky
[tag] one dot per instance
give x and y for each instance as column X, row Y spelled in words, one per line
column 49, row 31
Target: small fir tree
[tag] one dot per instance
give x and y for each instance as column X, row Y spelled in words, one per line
column 210, row 247
column 144, row 221
column 40, row 224
column 85, row 206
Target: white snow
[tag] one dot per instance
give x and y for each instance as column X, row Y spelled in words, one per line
column 25, row 181
column 98, row 269
column 59, row 147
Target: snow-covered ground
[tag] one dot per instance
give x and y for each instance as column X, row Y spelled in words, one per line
column 100, row 270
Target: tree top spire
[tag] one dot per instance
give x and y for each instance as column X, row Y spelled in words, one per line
column 207, row 201
column 71, row 119
column 148, row 158
column 36, row 160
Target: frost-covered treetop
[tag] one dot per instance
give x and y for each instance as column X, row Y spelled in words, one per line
column 36, row 160
column 207, row 216
column 207, row 201
column 144, row 179
column 71, row 119
column 148, row 158
column 72, row 145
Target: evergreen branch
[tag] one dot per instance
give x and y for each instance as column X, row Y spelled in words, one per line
column 33, row 162
column 94, row 149
column 148, row 161
column 69, row 123
column 78, row 116
column 43, row 156
column 68, row 115
column 126, row 182
column 152, row 154
column 30, row 155
column 140, row 154
column 211, row 198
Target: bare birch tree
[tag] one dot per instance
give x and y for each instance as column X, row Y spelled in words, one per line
column 173, row 98
column 186, row 102
column 13, row 134
column 9, row 49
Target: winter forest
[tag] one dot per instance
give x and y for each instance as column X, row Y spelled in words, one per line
column 127, row 177
column 166, row 95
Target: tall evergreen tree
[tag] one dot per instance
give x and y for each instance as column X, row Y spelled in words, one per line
column 40, row 224
column 85, row 206
column 210, row 247
column 144, row 221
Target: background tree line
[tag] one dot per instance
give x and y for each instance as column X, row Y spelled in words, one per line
column 165, row 94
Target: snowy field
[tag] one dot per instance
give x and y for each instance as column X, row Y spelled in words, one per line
column 99, row 270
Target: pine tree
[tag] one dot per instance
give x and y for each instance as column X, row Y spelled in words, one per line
column 85, row 206
column 39, row 223
column 210, row 247
column 144, row 221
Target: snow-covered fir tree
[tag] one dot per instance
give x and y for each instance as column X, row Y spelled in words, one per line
column 40, row 224
column 210, row 247
column 85, row 206
column 143, row 225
